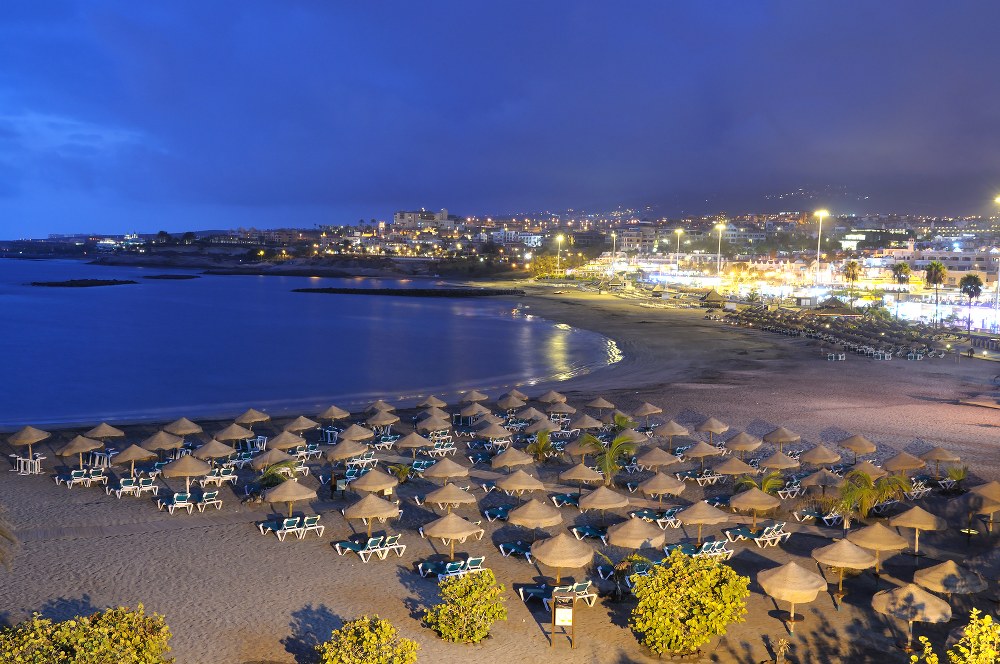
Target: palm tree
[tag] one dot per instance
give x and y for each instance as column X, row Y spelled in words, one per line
column 608, row 458
column 971, row 286
column 852, row 272
column 935, row 275
column 769, row 484
column 860, row 493
column 901, row 273
column 542, row 449
column 8, row 543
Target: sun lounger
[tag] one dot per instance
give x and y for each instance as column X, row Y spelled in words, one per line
column 708, row 478
column 126, row 486
column 518, row 548
column 310, row 523
column 500, row 512
column 541, row 591
column 668, row 518
column 443, row 569
column 918, row 491
column 771, row 536
column 590, row 531
column 881, row 507
column 75, row 477
column 479, row 457
column 718, row 501
column 178, row 500
column 740, row 533
column 707, row 550
column 646, row 514
column 564, row 499
column 364, row 551
column 97, row 475
column 208, row 499
column 832, row 518
column 807, row 514
column 390, row 545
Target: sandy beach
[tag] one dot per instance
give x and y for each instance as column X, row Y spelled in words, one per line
column 232, row 596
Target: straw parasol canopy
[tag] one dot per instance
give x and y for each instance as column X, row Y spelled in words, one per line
column 779, row 461
column 252, row 416
column 869, row 469
column 531, row 414
column 371, row 507
column 472, row 396
column 183, row 427
column 669, row 430
column 950, row 578
column 990, row 490
column 912, row 604
column 213, row 449
column 474, row 410
column 511, row 457
column 535, row 514
column 940, row 455
column 579, row 447
column 413, row 441
column 104, row 430
column 289, row 491
column 562, row 551
column 450, row 495
column 269, row 458
column 382, row 418
column 561, row 408
column 821, row 455
column 600, row 403
column 753, row 500
column 660, row 485
column 162, row 440
column 656, row 457
column 432, row 402
column 517, row 394
column 793, row 584
column 551, row 397
column 356, row 432
column 492, row 431
column 858, row 444
column 701, row 450
column 334, row 413
column 433, row 424
column 702, row 514
column 733, row 466
column 374, row 480
column 878, row 538
column 449, row 528
column 781, row 436
column 300, row 423
column 234, row 432
column 345, row 449
column 903, row 462
column 446, row 469
column 713, row 427
column 433, row 411
column 79, row 445
column 975, row 502
column 187, row 467
column 510, row 402
column 743, row 443
column 581, row 473
column 542, row 425
column 131, row 454
column 585, row 421
column 519, row 482
column 823, row 478
column 487, row 419
column 285, row 440
column 646, row 409
column 28, row 436
column 602, row 498
column 918, row 519
column 379, row 405
column 636, row 534
column 843, row 554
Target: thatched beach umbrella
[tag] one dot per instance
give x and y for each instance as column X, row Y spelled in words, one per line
column 843, row 554
column 213, row 449
column 562, row 551
column 821, row 455
column 510, row 458
column 356, row 432
column 251, row 417
column 869, row 469
column 104, row 431
column 27, row 436
column 432, row 402
column 345, row 449
column 636, row 534
column 269, row 458
column 531, row 415
column 234, row 432
column 911, row 603
column 858, row 444
column 371, row 507
column 285, row 440
column 520, row 482
column 560, row 408
column 434, row 424
column 951, row 579
column 781, row 436
column 600, row 404
column 733, row 467
column 449, row 495
column 485, row 420
column 579, row 448
column 510, row 403
column 162, row 440
column 990, row 491
column 918, row 519
column 551, row 397
column 374, row 481
column 713, row 427
column 974, row 503
column 382, row 418
column 434, row 412
column 473, row 396
column 702, row 514
column 334, row 413
column 187, row 467
column 542, row 425
column 702, row 450
column 743, row 443
column 131, row 454
column 645, row 410
column 79, row 445
column 183, row 427
column 940, row 455
column 823, row 478
column 660, row 485
column 413, row 441
column 668, row 431
column 602, row 499
column 446, row 469
column 753, row 500
column 779, row 461
column 301, row 423
column 903, row 462
column 379, row 405
column 793, row 584
column 535, row 514
column 289, row 491
column 449, row 528
column 656, row 457
column 517, row 394
column 584, row 422
column 877, row 538
column 581, row 473
column 492, row 432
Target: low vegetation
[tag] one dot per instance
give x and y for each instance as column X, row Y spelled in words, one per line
column 367, row 640
column 470, row 605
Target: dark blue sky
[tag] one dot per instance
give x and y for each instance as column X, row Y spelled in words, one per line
column 119, row 116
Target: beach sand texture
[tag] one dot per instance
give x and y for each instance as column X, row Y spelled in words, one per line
column 231, row 595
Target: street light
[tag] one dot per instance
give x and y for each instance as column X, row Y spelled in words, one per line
column 614, row 250
column 718, row 256
column 559, row 239
column 677, row 256
column 820, row 214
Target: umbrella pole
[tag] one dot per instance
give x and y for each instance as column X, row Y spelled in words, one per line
column 289, row 510
column 133, row 468
column 754, row 526
column 81, row 463
column 370, row 527
column 909, row 636
column 916, row 541
column 791, row 619
column 558, row 575
column 452, row 549
column 699, row 535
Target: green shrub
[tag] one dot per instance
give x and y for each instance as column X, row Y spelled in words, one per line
column 471, row 604
column 685, row 602
column 116, row 635
column 980, row 643
column 367, row 640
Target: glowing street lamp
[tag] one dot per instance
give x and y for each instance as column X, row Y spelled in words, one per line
column 718, row 256
column 677, row 257
column 820, row 214
column 559, row 240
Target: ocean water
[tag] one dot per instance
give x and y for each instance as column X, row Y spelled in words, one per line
column 215, row 345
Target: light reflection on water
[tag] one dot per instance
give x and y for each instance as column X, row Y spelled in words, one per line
column 215, row 345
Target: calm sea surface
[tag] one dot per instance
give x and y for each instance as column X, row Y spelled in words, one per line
column 219, row 344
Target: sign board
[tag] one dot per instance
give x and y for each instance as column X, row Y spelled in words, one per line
column 563, row 604
column 564, row 616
